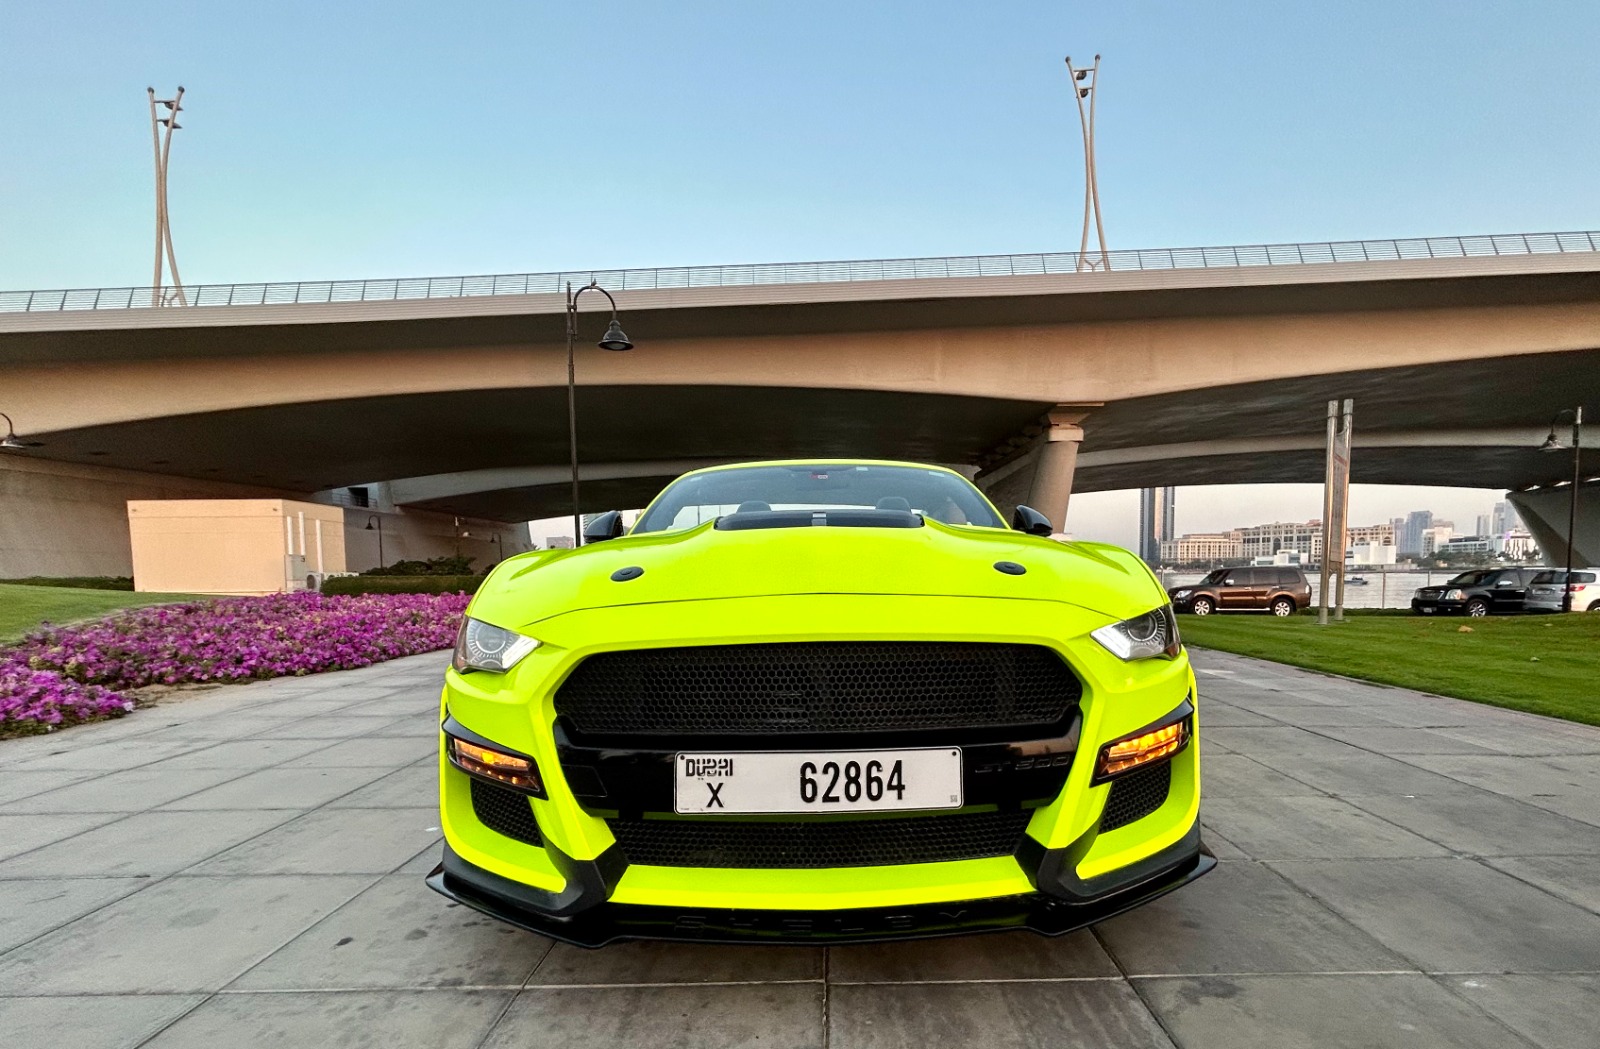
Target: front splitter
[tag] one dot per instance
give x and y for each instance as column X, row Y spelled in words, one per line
column 610, row 922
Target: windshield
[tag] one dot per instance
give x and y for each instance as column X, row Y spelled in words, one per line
column 1216, row 577
column 702, row 497
column 1470, row 578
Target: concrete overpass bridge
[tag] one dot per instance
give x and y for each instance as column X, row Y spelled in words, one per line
column 1173, row 367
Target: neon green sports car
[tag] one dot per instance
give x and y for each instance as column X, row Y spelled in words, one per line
column 818, row 702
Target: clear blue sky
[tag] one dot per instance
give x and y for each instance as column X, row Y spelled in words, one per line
column 388, row 139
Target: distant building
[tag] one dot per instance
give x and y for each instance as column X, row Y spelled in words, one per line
column 1203, row 546
column 1380, row 534
column 1156, row 521
column 1367, row 554
column 1503, row 518
column 558, row 542
column 1466, row 544
column 1433, row 539
column 1282, row 557
column 1410, row 538
column 1483, row 525
column 1515, row 543
column 1266, row 540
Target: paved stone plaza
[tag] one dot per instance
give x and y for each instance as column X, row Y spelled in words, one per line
column 245, row 868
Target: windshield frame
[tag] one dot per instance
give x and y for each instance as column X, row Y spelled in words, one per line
column 965, row 497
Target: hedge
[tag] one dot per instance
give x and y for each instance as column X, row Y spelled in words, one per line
column 403, row 584
column 96, row 582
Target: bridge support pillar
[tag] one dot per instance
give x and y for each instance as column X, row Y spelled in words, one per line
column 1039, row 473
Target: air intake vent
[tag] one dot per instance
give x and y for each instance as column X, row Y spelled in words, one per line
column 1137, row 795
column 818, row 687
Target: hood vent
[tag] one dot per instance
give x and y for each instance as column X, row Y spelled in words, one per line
column 747, row 519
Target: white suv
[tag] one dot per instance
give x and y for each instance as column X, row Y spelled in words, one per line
column 1544, row 593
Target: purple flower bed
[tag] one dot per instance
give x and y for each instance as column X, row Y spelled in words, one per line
column 66, row 675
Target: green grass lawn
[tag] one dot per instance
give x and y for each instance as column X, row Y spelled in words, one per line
column 22, row 608
column 1543, row 664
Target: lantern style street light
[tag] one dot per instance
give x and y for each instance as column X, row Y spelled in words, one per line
column 614, row 340
column 1553, row 444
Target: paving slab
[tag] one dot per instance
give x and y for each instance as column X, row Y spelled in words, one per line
column 33, row 907
column 1553, row 1012
column 1395, row 739
column 1001, row 956
column 355, row 1020
column 331, row 841
column 19, row 834
column 1484, row 824
column 16, row 784
column 1269, row 828
column 380, row 752
column 1573, row 878
column 143, row 844
column 1455, row 915
column 662, row 963
column 1241, row 918
column 280, row 788
column 90, row 1021
column 177, row 936
column 399, row 934
column 1277, row 740
column 416, row 784
column 1298, row 1012
column 1362, row 772
column 1238, row 776
column 132, row 791
column 1087, row 1014
column 683, row 1016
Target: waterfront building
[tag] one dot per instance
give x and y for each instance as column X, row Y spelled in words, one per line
column 1203, row 547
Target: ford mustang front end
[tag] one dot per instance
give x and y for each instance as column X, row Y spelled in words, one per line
column 837, row 702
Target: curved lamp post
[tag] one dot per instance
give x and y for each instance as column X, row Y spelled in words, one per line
column 1553, row 444
column 370, row 519
column 614, row 340
column 11, row 441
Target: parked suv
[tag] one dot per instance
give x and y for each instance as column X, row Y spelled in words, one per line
column 1544, row 592
column 1276, row 588
column 1480, row 592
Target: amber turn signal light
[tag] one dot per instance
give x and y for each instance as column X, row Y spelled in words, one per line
column 1130, row 753
column 513, row 771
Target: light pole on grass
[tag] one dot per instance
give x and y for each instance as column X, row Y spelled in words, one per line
column 613, row 340
column 11, row 442
column 1553, row 444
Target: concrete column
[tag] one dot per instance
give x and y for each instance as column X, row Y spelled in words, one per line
column 1058, row 459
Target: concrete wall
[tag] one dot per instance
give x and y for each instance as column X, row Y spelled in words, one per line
column 232, row 546
column 61, row 519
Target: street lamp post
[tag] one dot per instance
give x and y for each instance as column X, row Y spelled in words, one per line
column 370, row 519
column 1553, row 444
column 614, row 340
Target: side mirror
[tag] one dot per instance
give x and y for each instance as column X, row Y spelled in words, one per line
column 1027, row 519
column 607, row 526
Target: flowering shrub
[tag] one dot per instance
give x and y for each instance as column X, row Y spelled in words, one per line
column 66, row 675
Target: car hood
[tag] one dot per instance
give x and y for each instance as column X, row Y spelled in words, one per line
column 707, row 564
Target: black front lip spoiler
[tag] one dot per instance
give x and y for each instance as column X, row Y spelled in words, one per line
column 1051, row 913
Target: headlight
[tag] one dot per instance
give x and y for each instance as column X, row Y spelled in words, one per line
column 1455, row 595
column 1182, row 593
column 483, row 646
column 1143, row 637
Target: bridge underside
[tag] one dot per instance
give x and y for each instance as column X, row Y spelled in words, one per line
column 502, row 453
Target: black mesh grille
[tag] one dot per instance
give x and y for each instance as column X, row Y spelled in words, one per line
column 1137, row 795
column 815, row 843
column 504, row 811
column 822, row 686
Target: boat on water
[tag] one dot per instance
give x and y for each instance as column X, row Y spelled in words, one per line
column 1356, row 580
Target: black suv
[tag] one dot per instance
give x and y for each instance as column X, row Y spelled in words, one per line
column 1275, row 588
column 1480, row 592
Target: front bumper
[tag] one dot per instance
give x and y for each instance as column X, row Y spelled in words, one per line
column 1433, row 607
column 1061, row 903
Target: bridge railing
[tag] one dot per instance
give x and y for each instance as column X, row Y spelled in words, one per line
column 395, row 289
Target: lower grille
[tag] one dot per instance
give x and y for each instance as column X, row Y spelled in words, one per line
column 816, row 687
column 505, row 811
column 1137, row 795
column 819, row 843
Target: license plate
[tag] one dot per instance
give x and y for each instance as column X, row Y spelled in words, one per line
column 817, row 782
